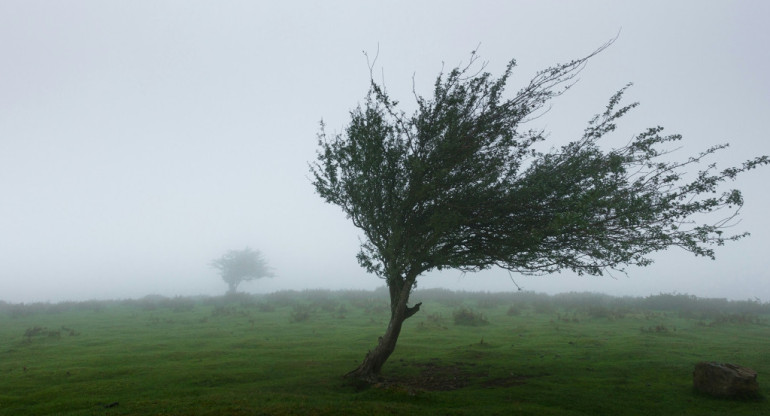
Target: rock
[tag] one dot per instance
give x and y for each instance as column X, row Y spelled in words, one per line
column 725, row 380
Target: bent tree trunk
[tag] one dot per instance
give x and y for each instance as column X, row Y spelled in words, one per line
column 369, row 369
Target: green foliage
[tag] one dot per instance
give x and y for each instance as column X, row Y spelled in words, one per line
column 458, row 184
column 237, row 266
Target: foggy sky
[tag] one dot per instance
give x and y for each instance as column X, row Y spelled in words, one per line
column 140, row 140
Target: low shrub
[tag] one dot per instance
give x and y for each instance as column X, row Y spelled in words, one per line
column 38, row 331
column 468, row 317
column 226, row 311
column 266, row 307
column 300, row 313
column 657, row 329
column 340, row 312
column 735, row 318
column 568, row 318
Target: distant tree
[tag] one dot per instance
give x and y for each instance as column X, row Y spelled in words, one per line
column 237, row 266
column 459, row 184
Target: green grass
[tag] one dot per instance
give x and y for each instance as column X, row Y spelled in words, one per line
column 285, row 354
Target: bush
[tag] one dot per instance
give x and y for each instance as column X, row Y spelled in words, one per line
column 341, row 312
column 514, row 311
column 45, row 332
column 467, row 317
column 301, row 313
column 226, row 311
column 657, row 329
column 734, row 318
column 266, row 307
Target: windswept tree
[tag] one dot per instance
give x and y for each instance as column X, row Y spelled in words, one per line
column 237, row 266
column 460, row 184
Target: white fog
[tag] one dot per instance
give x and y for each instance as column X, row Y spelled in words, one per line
column 140, row 140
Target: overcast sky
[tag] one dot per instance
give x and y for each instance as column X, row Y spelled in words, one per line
column 139, row 140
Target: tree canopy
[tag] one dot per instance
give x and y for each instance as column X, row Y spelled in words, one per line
column 460, row 184
column 237, row 266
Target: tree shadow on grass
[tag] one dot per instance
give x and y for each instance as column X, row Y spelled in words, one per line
column 433, row 375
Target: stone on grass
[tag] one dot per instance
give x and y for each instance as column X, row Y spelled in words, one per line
column 725, row 380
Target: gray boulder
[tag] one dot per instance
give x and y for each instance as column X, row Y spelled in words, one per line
column 725, row 380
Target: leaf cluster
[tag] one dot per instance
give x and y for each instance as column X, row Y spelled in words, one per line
column 459, row 183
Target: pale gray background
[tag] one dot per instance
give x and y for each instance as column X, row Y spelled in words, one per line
column 141, row 139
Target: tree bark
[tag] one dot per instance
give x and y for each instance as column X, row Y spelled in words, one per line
column 369, row 369
column 233, row 287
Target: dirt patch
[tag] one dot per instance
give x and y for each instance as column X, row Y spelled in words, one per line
column 512, row 380
column 437, row 376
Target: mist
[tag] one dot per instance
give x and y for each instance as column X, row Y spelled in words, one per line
column 141, row 140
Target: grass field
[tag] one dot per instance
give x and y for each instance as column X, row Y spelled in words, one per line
column 464, row 353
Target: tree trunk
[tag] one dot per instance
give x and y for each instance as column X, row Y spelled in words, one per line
column 369, row 369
